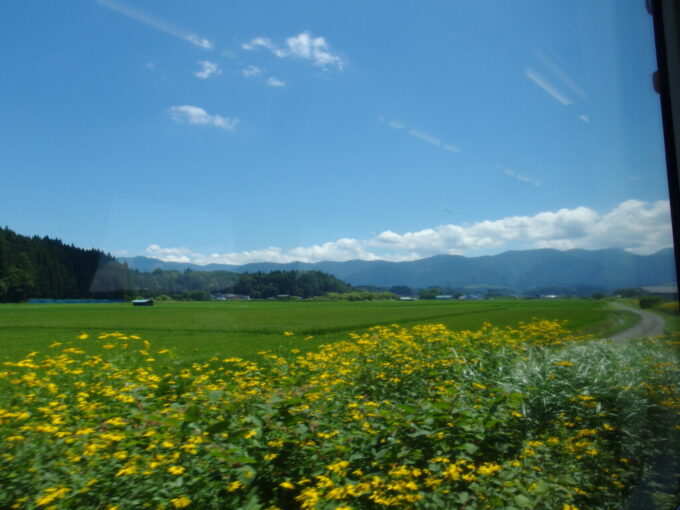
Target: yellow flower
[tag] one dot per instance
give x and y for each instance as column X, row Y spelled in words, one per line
column 116, row 421
column 83, row 336
column 249, row 434
column 176, row 470
column 51, row 494
column 488, row 468
column 287, row 485
column 288, row 333
column 234, row 486
column 127, row 470
column 339, row 467
column 180, row 502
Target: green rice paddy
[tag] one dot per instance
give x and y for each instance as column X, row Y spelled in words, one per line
column 198, row 330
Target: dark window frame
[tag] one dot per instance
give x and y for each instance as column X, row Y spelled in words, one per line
column 666, row 80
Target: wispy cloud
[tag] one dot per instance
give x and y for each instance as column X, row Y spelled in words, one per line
column 207, row 70
column 521, row 177
column 560, row 74
column 273, row 82
column 251, row 71
column 302, row 46
column 425, row 137
column 636, row 226
column 188, row 114
column 420, row 135
column 548, row 87
column 155, row 22
column 451, row 148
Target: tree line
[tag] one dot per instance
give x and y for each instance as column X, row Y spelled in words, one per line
column 302, row 284
column 43, row 267
column 40, row 267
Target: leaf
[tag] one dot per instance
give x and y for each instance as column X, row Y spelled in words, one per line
column 522, row 501
column 470, row 448
column 163, row 388
column 541, row 487
column 192, row 414
column 215, row 396
column 217, row 427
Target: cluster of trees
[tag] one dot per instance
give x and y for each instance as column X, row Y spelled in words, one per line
column 303, row 284
column 40, row 267
column 188, row 285
column 48, row 268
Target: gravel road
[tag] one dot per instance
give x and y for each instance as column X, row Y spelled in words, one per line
column 650, row 325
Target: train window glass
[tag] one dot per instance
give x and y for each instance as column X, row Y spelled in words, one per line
column 269, row 178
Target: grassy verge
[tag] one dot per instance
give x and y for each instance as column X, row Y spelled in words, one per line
column 616, row 321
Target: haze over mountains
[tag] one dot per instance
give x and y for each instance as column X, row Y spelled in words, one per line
column 607, row 269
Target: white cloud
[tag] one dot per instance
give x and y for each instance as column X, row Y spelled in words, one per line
column 302, row 46
column 521, row 177
column 251, row 71
column 171, row 254
column 155, row 22
column 557, row 71
column 585, row 118
column 273, row 82
column 548, row 87
column 188, row 114
column 200, row 41
column 425, row 137
column 207, row 70
column 420, row 135
column 450, row 147
column 633, row 225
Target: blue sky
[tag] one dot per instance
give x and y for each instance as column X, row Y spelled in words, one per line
column 239, row 132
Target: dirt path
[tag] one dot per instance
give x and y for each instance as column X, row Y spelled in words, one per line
column 650, row 325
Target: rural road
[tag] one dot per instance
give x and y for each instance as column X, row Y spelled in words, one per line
column 650, row 325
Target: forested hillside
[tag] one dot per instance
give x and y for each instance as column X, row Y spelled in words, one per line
column 40, row 267
column 293, row 283
column 43, row 267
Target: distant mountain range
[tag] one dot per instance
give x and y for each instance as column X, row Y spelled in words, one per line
column 511, row 271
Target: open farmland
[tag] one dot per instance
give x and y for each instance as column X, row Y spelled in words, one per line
column 416, row 417
column 200, row 330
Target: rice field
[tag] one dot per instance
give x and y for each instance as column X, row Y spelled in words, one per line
column 241, row 328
